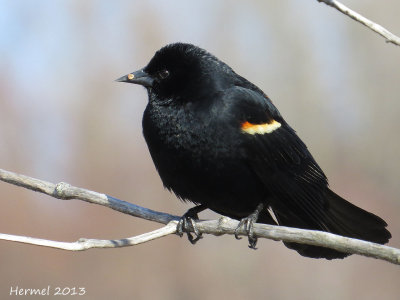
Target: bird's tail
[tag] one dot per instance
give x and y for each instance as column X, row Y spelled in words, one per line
column 342, row 218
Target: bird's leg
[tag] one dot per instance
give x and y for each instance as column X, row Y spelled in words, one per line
column 248, row 226
column 187, row 218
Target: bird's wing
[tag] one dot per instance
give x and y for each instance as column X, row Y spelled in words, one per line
column 279, row 158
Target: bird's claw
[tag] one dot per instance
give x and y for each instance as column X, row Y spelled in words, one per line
column 248, row 226
column 188, row 219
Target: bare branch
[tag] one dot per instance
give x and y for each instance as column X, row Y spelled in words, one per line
column 66, row 191
column 216, row 227
column 85, row 244
column 390, row 37
column 226, row 225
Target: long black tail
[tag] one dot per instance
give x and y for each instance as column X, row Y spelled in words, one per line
column 342, row 218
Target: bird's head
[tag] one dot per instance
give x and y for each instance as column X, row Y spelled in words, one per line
column 184, row 72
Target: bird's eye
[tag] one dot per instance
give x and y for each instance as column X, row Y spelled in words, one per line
column 163, row 74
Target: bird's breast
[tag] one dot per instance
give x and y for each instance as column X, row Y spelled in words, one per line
column 195, row 156
column 188, row 134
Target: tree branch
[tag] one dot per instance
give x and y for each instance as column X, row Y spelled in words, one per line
column 65, row 191
column 216, row 227
column 390, row 37
column 85, row 244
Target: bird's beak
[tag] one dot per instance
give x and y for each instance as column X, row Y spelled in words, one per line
column 138, row 77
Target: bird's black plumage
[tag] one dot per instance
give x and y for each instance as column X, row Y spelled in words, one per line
column 218, row 141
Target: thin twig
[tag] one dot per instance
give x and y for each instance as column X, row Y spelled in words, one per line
column 390, row 37
column 65, row 191
column 85, row 244
column 216, row 227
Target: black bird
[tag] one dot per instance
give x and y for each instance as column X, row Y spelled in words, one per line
column 218, row 141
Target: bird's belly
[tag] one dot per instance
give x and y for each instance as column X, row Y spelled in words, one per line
column 223, row 185
column 202, row 163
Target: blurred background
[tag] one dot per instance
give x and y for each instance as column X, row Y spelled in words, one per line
column 63, row 118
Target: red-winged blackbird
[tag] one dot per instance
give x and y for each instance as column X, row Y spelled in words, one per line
column 218, row 141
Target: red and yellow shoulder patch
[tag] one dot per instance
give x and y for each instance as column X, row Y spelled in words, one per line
column 250, row 128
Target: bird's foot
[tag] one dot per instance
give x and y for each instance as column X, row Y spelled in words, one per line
column 188, row 219
column 248, row 226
